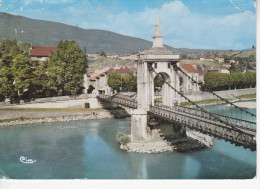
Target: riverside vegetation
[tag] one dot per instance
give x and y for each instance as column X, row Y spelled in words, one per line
column 24, row 79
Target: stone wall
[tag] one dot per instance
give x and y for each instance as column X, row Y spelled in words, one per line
column 57, row 102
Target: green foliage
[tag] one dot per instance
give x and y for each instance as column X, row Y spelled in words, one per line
column 208, row 101
column 223, row 81
column 235, row 68
column 6, row 76
column 5, row 46
column 118, row 81
column 102, row 53
column 66, row 68
column 22, row 78
column 14, row 51
column 158, row 81
column 181, row 80
column 23, row 75
column 248, row 96
column 122, row 138
column 130, row 82
column 115, row 80
column 24, row 46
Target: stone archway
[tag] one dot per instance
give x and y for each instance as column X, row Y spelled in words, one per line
column 90, row 89
column 160, row 83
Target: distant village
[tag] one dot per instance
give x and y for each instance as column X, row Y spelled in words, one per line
column 95, row 80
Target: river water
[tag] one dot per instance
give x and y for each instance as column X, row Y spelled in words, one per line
column 88, row 150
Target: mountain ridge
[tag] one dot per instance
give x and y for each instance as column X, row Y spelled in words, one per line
column 42, row 32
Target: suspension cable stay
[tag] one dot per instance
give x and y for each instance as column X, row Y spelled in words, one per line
column 210, row 91
column 202, row 109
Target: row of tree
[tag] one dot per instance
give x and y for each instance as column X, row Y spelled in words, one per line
column 128, row 82
column 122, row 82
column 23, row 78
column 224, row 81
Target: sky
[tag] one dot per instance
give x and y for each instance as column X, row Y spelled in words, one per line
column 208, row 24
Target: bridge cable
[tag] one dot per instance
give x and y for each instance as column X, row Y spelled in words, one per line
column 210, row 91
column 202, row 109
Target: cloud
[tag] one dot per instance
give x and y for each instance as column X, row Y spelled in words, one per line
column 179, row 24
column 181, row 27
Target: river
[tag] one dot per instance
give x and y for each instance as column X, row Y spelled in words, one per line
column 88, row 150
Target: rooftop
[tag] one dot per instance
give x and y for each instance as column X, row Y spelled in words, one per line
column 42, row 51
column 189, row 68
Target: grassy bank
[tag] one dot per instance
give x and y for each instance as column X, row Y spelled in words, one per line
column 248, row 96
column 208, row 101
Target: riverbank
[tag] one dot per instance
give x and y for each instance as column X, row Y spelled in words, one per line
column 243, row 103
column 9, row 117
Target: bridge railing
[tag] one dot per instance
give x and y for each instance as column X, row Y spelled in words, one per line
column 230, row 120
column 227, row 119
column 120, row 99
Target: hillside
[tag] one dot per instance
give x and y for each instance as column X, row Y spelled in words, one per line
column 242, row 54
column 39, row 32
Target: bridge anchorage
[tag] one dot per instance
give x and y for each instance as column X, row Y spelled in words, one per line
column 149, row 117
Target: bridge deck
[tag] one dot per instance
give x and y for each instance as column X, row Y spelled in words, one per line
column 239, row 132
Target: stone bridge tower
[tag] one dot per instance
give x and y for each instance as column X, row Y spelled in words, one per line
column 162, row 61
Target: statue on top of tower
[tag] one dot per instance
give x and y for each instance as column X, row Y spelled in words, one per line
column 157, row 27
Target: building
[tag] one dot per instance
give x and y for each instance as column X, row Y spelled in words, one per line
column 224, row 70
column 202, row 71
column 202, row 57
column 210, row 58
column 226, row 65
column 41, row 53
column 128, row 56
column 220, row 59
column 112, row 56
column 93, row 56
column 96, row 83
column 188, row 85
column 231, row 61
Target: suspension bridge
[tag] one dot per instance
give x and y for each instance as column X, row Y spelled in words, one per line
column 235, row 128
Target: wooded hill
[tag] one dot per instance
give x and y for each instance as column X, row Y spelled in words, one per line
column 39, row 32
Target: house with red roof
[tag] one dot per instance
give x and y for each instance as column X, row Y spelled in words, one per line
column 188, row 85
column 209, row 58
column 41, row 53
column 112, row 56
column 202, row 57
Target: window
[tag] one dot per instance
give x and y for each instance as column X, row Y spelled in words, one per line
column 169, row 65
column 155, row 65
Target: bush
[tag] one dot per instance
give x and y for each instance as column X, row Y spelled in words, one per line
column 123, row 138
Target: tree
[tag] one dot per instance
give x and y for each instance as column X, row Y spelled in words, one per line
column 6, row 46
column 6, row 76
column 181, row 80
column 222, row 81
column 24, row 46
column 66, row 68
column 14, row 51
column 102, row 53
column 23, row 75
column 115, row 80
column 158, row 81
column 130, row 82
column 235, row 68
